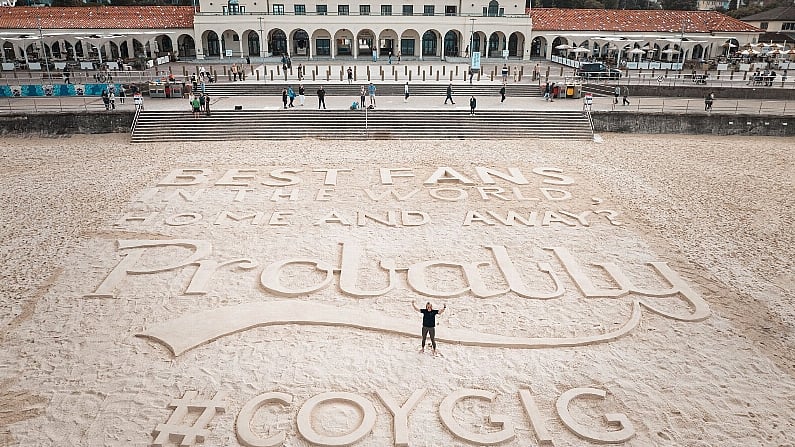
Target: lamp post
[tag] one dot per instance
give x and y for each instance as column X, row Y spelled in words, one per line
column 44, row 49
column 472, row 45
column 261, row 39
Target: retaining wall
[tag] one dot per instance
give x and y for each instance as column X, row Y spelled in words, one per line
column 693, row 124
column 53, row 124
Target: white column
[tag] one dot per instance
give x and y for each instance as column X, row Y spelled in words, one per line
column 333, row 47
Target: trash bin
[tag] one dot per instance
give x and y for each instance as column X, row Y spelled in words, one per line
column 574, row 91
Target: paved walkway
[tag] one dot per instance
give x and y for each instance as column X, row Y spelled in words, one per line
column 485, row 102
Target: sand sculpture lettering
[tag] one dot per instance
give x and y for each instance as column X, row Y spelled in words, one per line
column 210, row 198
column 210, row 325
column 187, row 434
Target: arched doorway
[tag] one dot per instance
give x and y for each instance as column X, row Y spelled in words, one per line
column 164, row 44
column 698, row 52
column 451, row 44
column 114, row 50
column 252, row 44
column 8, row 51
column 186, row 46
column 476, row 47
column 301, row 43
column 277, row 42
column 538, row 48
column 213, row 45
column 365, row 43
column 429, row 44
column 494, row 45
column 514, row 49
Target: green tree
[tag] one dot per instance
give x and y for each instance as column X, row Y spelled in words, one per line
column 681, row 5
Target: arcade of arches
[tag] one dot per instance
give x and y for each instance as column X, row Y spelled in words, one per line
column 345, row 42
column 75, row 48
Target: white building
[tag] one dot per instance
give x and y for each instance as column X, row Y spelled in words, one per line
column 331, row 29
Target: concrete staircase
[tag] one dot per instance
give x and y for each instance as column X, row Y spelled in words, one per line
column 224, row 125
column 274, row 89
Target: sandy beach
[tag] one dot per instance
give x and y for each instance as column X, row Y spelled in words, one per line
column 134, row 274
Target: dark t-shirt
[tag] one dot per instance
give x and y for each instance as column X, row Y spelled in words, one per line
column 429, row 317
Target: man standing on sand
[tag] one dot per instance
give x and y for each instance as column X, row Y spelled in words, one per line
column 428, row 323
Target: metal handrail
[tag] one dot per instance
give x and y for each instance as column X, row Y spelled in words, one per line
column 135, row 119
column 692, row 106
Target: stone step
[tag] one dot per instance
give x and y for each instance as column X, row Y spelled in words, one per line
column 346, row 125
column 352, row 90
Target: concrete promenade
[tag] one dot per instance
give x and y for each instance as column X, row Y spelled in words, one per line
column 489, row 100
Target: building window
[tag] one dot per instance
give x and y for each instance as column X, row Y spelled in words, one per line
column 763, row 25
column 300, row 10
column 278, row 10
column 408, row 10
column 494, row 8
column 786, row 26
column 342, row 10
column 450, row 10
column 364, row 10
column 321, row 10
column 428, row 10
column 386, row 10
column 233, row 7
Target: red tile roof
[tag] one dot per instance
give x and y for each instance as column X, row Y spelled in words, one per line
column 97, row 17
column 555, row 19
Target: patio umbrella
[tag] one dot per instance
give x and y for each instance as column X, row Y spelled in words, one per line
column 729, row 45
column 636, row 51
column 581, row 50
column 563, row 47
column 671, row 51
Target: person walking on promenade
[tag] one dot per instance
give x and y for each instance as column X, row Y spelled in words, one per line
column 504, row 73
column 371, row 90
column 502, row 93
column 122, row 94
column 406, row 92
column 449, row 96
column 362, row 95
column 350, row 75
column 616, row 94
column 291, row 95
column 201, row 102
column 472, row 104
column 536, row 72
column 625, row 99
column 207, row 105
column 112, row 99
column 547, row 91
column 301, row 97
column 470, row 76
column 428, row 323
column 708, row 100
column 321, row 98
column 284, row 97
